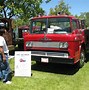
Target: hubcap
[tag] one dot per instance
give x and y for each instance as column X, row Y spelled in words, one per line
column 82, row 58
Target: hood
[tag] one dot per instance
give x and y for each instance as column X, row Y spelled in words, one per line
column 50, row 37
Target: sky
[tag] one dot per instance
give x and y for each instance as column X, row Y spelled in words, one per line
column 77, row 6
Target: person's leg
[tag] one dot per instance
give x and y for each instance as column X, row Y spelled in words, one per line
column 7, row 71
column 0, row 68
column 1, row 76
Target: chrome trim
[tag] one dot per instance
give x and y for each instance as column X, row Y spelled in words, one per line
column 46, row 44
column 49, row 54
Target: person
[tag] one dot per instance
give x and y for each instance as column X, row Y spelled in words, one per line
column 4, row 52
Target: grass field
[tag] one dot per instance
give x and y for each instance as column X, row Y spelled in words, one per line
column 51, row 77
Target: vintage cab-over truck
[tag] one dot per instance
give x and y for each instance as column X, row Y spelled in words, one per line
column 6, row 24
column 57, row 39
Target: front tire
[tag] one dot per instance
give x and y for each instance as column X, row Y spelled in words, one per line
column 82, row 59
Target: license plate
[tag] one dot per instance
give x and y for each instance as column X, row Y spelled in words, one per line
column 45, row 60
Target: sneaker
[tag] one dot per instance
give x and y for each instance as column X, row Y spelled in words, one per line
column 8, row 82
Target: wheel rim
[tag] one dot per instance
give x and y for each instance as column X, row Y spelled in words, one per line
column 82, row 58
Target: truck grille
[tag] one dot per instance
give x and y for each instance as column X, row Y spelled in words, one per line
column 46, row 44
column 49, row 54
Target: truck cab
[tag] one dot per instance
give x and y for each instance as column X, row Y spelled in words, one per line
column 56, row 39
column 21, row 31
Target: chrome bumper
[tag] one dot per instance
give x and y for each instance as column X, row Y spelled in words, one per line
column 49, row 54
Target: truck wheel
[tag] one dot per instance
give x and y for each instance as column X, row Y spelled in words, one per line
column 82, row 59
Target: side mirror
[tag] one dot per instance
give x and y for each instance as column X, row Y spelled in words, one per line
column 83, row 24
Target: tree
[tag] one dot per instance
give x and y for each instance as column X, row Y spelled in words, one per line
column 87, row 19
column 21, row 8
column 61, row 7
column 85, row 16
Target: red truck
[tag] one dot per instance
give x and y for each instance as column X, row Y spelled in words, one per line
column 57, row 39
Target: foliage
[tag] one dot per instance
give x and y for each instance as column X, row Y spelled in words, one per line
column 85, row 16
column 21, row 8
column 87, row 19
column 61, row 7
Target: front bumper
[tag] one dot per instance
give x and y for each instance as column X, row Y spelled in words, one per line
column 52, row 57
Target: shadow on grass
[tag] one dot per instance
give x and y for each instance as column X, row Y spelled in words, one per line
column 56, row 68
column 87, row 57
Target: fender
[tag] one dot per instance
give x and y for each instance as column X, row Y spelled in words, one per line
column 79, row 51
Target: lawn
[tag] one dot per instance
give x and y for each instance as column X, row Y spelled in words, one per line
column 51, row 77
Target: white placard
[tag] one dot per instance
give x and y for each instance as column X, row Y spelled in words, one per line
column 23, row 63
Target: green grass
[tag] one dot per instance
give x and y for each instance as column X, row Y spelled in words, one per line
column 51, row 77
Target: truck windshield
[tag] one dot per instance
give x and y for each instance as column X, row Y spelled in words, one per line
column 51, row 25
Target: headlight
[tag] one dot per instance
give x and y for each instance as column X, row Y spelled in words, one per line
column 63, row 45
column 29, row 44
